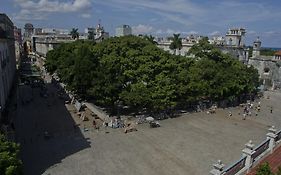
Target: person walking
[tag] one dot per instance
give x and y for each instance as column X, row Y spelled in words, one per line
column 271, row 109
column 244, row 116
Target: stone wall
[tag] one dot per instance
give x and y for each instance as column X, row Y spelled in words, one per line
column 273, row 76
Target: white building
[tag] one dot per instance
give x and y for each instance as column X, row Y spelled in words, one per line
column 41, row 44
column 187, row 43
column 7, row 59
column 98, row 33
column 123, row 30
column 232, row 44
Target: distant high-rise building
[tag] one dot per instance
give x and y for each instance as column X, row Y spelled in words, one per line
column 123, row 30
column 28, row 30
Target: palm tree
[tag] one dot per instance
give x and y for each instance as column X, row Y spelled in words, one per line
column 176, row 43
column 74, row 33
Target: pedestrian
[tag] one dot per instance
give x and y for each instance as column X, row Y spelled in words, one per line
column 244, row 116
column 249, row 113
column 94, row 124
column 271, row 108
column 229, row 114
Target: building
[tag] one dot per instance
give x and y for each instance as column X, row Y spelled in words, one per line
column 234, row 37
column 43, row 43
column 187, row 43
column 256, row 48
column 90, row 33
column 100, row 34
column 232, row 44
column 18, row 35
column 18, row 42
column 123, row 30
column 277, row 55
column 43, row 40
column 28, row 30
column 267, row 66
column 7, row 59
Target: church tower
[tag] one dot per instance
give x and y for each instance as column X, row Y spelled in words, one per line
column 256, row 48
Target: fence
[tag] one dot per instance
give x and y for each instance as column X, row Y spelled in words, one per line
column 251, row 155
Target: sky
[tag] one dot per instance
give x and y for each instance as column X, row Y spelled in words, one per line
column 156, row 17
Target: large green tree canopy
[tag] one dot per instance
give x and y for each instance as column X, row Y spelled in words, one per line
column 138, row 73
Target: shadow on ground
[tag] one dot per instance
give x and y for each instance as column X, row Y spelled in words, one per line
column 45, row 129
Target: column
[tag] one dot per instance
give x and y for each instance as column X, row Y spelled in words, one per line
column 248, row 152
column 271, row 135
column 218, row 168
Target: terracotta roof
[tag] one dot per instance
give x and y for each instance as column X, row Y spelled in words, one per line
column 273, row 159
column 278, row 53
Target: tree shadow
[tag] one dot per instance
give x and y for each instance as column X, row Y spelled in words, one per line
column 45, row 129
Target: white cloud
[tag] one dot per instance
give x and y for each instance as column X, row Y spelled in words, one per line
column 31, row 9
column 54, row 6
column 86, row 15
column 215, row 33
column 142, row 29
column 191, row 13
column 192, row 32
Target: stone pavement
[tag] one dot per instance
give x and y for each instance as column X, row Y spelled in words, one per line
column 189, row 144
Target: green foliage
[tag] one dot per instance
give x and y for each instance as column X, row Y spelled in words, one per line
column 9, row 161
column 150, row 38
column 74, row 33
column 135, row 71
column 264, row 169
column 176, row 42
column 267, row 52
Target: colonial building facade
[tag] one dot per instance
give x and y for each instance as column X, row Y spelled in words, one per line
column 232, row 43
column 7, row 59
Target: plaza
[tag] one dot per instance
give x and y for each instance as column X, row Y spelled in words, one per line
column 189, row 144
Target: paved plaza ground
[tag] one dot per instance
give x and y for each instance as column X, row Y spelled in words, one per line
column 189, row 144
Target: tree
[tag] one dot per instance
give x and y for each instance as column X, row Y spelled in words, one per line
column 264, row 169
column 74, row 33
column 150, row 38
column 176, row 43
column 10, row 164
column 136, row 72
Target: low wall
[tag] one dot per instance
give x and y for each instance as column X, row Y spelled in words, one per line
column 251, row 155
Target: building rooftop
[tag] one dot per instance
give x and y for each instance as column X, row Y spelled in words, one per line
column 278, row 53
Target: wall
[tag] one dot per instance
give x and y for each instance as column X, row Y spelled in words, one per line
column 274, row 75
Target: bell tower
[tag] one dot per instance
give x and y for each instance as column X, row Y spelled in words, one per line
column 256, row 48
